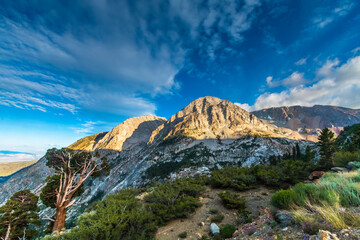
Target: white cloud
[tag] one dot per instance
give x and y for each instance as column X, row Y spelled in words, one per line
column 294, row 79
column 301, row 61
column 268, row 80
column 328, row 67
column 15, row 157
column 245, row 106
column 336, row 85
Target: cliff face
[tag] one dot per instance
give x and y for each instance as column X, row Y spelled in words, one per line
column 311, row 119
column 133, row 132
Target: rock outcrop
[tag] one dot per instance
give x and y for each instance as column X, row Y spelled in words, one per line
column 132, row 132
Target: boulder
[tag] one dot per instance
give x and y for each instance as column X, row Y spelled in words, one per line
column 339, row 169
column 353, row 165
column 285, row 218
column 316, row 175
column 214, row 229
column 326, row 235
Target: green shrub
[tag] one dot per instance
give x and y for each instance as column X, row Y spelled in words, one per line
column 238, row 178
column 342, row 158
column 227, row 231
column 214, row 211
column 183, row 235
column 119, row 216
column 283, row 199
column 175, row 199
column 217, row 218
column 304, row 193
column 269, row 175
column 232, row 200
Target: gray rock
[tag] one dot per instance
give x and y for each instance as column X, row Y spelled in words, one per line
column 285, row 218
column 214, row 229
column 339, row 169
column 352, row 165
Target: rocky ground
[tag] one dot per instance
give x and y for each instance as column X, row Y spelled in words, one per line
column 263, row 226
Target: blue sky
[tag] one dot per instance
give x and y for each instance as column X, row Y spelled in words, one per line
column 73, row 68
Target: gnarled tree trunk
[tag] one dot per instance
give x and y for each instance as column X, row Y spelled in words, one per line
column 7, row 237
column 59, row 223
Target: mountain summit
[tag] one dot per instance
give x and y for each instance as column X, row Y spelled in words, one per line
column 211, row 118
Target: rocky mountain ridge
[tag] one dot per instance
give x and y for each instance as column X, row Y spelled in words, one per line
column 310, row 119
column 208, row 134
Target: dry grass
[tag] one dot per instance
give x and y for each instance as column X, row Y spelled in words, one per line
column 8, row 168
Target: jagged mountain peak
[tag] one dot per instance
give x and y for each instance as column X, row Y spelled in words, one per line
column 211, row 117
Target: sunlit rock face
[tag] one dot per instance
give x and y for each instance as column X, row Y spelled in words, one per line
column 212, row 118
column 132, row 132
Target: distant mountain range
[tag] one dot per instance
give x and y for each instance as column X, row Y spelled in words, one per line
column 310, row 119
column 207, row 134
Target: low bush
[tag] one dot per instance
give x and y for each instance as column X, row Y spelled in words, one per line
column 183, row 235
column 342, row 158
column 232, row 200
column 227, row 231
column 217, row 218
column 175, row 199
column 283, row 199
column 237, row 178
column 214, row 211
column 280, row 174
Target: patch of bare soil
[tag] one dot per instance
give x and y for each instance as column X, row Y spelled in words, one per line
column 198, row 224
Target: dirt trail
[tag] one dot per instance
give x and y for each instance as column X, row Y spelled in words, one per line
column 256, row 199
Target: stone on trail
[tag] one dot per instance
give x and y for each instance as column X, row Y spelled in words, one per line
column 214, row 229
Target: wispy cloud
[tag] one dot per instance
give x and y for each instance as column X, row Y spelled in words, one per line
column 301, row 61
column 87, row 127
column 327, row 16
column 131, row 49
column 295, row 79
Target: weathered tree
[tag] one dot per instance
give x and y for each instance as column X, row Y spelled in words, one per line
column 17, row 214
column 328, row 147
column 72, row 169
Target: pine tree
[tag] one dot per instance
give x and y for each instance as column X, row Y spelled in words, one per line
column 298, row 151
column 355, row 139
column 17, row 214
column 309, row 155
column 328, row 147
column 72, row 169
